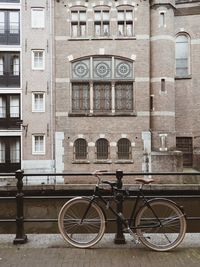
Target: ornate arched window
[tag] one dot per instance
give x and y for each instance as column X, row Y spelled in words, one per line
column 124, row 148
column 182, row 55
column 80, row 149
column 102, row 148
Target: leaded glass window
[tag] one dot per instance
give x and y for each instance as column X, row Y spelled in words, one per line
column 124, row 97
column 182, row 55
column 124, row 149
column 102, row 97
column 80, row 97
column 102, row 148
column 80, row 146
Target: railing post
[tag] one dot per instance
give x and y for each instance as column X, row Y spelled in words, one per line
column 119, row 237
column 20, row 238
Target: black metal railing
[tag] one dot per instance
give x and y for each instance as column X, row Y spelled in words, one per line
column 19, row 198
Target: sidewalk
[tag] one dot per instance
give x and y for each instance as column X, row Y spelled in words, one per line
column 50, row 250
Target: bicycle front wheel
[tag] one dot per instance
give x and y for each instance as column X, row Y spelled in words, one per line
column 160, row 225
column 81, row 223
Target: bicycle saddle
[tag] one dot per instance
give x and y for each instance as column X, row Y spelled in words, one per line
column 144, row 181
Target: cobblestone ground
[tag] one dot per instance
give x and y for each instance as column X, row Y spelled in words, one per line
column 52, row 251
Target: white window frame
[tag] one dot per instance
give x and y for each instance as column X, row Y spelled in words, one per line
column 42, row 67
column 35, row 23
column 34, row 108
column 42, row 151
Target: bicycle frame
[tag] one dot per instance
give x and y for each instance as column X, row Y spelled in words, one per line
column 126, row 222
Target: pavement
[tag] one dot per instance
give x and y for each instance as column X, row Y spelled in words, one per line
column 51, row 250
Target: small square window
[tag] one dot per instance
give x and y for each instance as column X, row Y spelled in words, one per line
column 38, row 59
column 38, row 102
column 38, row 144
column 37, row 18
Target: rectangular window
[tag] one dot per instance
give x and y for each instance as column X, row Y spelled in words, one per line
column 38, row 102
column 14, row 22
column 15, row 151
column 163, row 85
column 78, row 23
column 38, row 144
column 2, row 152
column 15, row 67
column 9, row 106
column 2, row 107
column 38, row 60
column 37, row 18
column 101, row 25
column 125, row 23
column 1, row 65
column 124, row 97
column 80, row 97
column 102, row 97
column 2, row 22
column 14, row 106
column 162, row 19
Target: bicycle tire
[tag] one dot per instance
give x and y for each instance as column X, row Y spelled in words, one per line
column 162, row 237
column 81, row 234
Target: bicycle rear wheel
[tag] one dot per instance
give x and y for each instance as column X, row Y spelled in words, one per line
column 161, row 225
column 81, row 223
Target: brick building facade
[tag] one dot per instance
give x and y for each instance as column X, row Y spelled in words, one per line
column 102, row 85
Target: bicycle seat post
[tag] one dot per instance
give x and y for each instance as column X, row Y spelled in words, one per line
column 119, row 237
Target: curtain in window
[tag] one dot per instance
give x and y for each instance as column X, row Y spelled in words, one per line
column 124, row 97
column 2, row 107
column 102, row 97
column 124, row 149
column 38, row 59
column 38, row 102
column 2, row 22
column 80, row 146
column 1, row 66
column 102, row 148
column 14, row 106
column 39, row 144
column 15, row 151
column 2, row 152
column 15, row 65
column 14, row 22
column 182, row 55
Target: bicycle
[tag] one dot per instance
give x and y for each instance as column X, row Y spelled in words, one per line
column 158, row 223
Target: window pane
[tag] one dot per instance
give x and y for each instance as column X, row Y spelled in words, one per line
column 15, row 65
column 120, row 15
column 2, row 107
column 102, row 97
column 129, row 29
column 2, row 152
column 82, row 30
column 182, row 53
column 80, row 149
column 74, row 15
column 82, row 16
column 124, row 97
column 1, row 66
column 97, row 15
column 105, row 29
column 129, row 15
column 37, row 18
column 121, row 29
column 102, row 149
column 98, row 29
column 80, row 97
column 38, row 59
column 38, row 102
column 15, row 151
column 74, row 30
column 106, row 15
column 39, row 144
column 14, row 22
column 2, row 22
column 14, row 106
column 124, row 149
